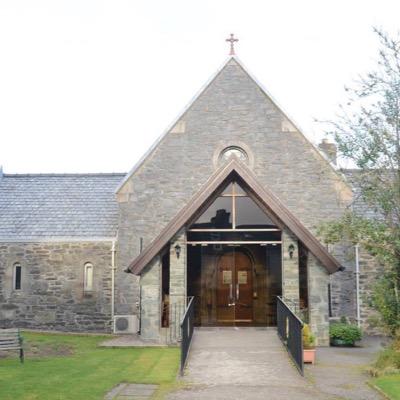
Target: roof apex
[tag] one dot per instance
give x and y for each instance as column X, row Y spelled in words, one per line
column 230, row 60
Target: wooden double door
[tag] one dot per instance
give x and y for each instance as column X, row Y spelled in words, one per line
column 234, row 288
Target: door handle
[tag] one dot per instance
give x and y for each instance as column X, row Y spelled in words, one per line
column 237, row 291
column 230, row 293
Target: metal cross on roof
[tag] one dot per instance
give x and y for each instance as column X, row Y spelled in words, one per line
column 232, row 41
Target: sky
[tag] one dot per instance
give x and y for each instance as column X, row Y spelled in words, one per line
column 88, row 86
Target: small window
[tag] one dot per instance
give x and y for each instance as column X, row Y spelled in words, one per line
column 88, row 277
column 330, row 300
column 17, row 276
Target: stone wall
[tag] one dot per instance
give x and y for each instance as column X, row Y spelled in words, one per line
column 177, row 282
column 318, row 280
column 52, row 294
column 370, row 270
column 150, row 315
column 343, row 283
column 343, row 287
column 231, row 111
column 290, row 270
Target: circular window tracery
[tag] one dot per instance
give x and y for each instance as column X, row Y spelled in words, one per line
column 233, row 152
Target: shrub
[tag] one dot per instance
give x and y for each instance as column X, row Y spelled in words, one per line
column 308, row 338
column 388, row 361
column 345, row 332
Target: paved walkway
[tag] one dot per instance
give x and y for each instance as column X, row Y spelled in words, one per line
column 250, row 363
column 129, row 341
column 131, row 391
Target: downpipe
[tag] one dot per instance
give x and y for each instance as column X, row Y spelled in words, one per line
column 113, row 268
column 358, row 285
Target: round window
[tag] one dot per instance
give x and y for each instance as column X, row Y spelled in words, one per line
column 233, row 151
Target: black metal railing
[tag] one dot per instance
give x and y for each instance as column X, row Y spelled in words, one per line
column 290, row 332
column 187, row 327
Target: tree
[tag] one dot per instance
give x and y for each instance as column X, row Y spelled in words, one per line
column 367, row 133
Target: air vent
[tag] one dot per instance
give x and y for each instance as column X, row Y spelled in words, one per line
column 125, row 324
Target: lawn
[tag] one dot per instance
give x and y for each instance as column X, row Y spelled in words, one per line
column 386, row 369
column 63, row 367
column 390, row 385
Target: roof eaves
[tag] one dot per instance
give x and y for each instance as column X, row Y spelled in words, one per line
column 270, row 200
column 57, row 239
column 61, row 175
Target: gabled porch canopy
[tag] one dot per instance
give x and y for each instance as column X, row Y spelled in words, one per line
column 262, row 196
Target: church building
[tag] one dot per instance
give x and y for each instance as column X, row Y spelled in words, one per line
column 224, row 207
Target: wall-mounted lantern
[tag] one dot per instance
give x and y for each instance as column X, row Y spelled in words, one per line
column 291, row 250
column 177, row 250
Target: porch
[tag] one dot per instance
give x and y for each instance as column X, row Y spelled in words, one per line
column 234, row 253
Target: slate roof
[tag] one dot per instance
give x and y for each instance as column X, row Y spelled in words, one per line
column 51, row 206
column 359, row 206
column 58, row 205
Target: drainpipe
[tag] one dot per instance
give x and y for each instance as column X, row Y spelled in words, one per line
column 358, row 285
column 112, row 279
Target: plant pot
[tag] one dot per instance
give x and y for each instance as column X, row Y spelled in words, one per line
column 341, row 343
column 309, row 356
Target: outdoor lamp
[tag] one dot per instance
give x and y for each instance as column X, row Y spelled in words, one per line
column 291, row 250
column 177, row 250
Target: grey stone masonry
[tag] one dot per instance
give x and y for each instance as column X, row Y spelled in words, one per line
column 370, row 271
column 150, row 316
column 177, row 282
column 343, row 285
column 231, row 111
column 290, row 269
column 52, row 295
column 318, row 280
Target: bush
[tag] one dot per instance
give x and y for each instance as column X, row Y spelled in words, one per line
column 345, row 332
column 388, row 361
column 308, row 338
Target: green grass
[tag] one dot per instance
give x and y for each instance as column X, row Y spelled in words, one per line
column 390, row 385
column 64, row 367
column 386, row 370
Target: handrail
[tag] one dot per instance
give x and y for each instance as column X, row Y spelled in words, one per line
column 290, row 332
column 190, row 299
column 187, row 327
column 290, row 303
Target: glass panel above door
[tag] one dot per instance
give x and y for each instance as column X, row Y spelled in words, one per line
column 250, row 216
column 234, row 209
column 217, row 216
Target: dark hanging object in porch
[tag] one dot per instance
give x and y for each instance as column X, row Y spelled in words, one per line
column 177, row 250
column 291, row 250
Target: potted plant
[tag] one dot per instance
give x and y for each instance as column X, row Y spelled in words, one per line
column 308, row 345
column 344, row 334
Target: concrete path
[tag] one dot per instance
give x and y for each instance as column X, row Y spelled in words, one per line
column 341, row 371
column 129, row 341
column 251, row 363
column 131, row 391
